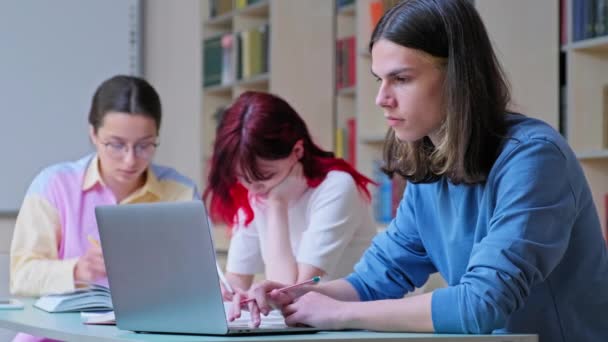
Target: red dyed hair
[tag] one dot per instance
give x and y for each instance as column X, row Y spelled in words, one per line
column 261, row 125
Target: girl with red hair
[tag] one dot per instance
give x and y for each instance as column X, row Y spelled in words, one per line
column 295, row 210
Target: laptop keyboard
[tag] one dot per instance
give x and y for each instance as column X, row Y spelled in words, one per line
column 274, row 320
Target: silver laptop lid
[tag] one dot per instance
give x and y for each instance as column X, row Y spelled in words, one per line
column 161, row 267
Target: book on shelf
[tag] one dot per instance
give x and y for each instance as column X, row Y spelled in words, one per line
column 563, row 22
column 589, row 19
column 219, row 65
column 605, row 117
column 606, row 217
column 95, row 297
column 265, row 37
column 238, row 46
column 387, row 195
column 252, row 51
column 376, row 10
column 339, row 150
column 239, row 4
column 212, row 61
column 345, row 63
column 343, row 3
column 219, row 7
column 382, row 196
column 339, row 62
column 351, row 141
column 227, row 67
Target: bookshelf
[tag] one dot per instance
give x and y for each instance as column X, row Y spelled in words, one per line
column 297, row 64
column 297, row 55
column 360, row 127
column 529, row 37
column 356, row 100
column 585, row 49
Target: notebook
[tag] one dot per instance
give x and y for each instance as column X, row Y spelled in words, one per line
column 93, row 298
column 162, row 270
column 98, row 318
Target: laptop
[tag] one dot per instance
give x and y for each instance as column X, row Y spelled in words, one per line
column 162, row 271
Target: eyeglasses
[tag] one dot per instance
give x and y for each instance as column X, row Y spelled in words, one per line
column 117, row 150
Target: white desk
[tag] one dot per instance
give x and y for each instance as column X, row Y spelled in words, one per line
column 68, row 326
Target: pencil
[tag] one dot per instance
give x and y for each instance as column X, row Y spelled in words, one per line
column 223, row 279
column 93, row 241
column 313, row 280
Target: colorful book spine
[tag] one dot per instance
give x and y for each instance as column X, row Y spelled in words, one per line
column 339, row 150
column 606, row 217
column 382, row 199
column 227, row 61
column 351, row 129
column 212, row 61
column 376, row 10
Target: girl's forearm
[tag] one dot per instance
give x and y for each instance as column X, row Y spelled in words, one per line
column 281, row 265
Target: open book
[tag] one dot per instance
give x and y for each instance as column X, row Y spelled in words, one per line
column 92, row 298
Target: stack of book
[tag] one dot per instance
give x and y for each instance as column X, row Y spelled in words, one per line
column 92, row 298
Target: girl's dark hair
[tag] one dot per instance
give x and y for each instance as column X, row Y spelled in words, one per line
column 261, row 125
column 125, row 94
column 476, row 91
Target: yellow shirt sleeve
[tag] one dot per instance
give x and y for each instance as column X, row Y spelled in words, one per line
column 35, row 268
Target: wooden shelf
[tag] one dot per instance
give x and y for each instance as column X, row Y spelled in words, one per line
column 592, row 155
column 349, row 91
column 220, row 89
column 257, row 81
column 592, row 45
column 221, row 20
column 259, row 9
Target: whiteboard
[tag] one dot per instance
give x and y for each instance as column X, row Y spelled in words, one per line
column 53, row 55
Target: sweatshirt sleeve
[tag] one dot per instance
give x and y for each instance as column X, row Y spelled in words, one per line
column 396, row 262
column 527, row 236
column 334, row 216
column 35, row 268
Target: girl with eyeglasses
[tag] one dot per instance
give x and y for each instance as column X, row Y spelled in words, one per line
column 51, row 250
column 295, row 210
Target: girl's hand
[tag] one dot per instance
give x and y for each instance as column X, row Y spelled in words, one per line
column 226, row 295
column 236, row 308
column 267, row 297
column 90, row 267
column 291, row 187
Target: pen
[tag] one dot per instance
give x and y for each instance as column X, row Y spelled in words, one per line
column 223, row 279
column 313, row 280
column 93, row 241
